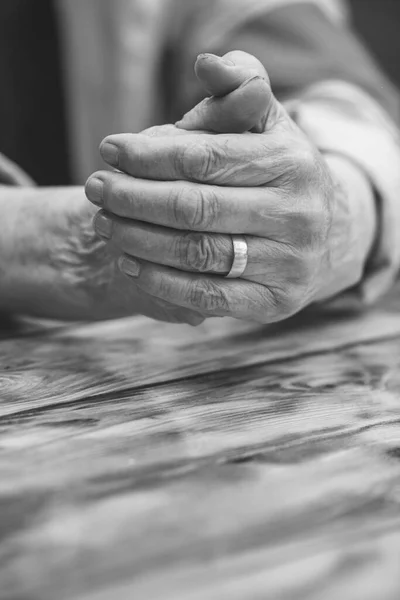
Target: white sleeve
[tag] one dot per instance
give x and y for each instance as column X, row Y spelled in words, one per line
column 343, row 119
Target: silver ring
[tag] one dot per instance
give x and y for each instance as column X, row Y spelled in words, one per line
column 240, row 257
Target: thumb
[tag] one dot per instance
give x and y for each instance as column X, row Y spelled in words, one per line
column 222, row 75
column 241, row 100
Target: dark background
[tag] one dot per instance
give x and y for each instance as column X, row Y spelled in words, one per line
column 378, row 23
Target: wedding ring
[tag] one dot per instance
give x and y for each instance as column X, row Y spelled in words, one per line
column 240, row 256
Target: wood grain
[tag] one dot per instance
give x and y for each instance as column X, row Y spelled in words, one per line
column 141, row 460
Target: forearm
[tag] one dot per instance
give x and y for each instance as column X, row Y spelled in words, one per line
column 50, row 259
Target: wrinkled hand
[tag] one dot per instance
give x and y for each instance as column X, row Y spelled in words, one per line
column 235, row 104
column 177, row 199
column 232, row 107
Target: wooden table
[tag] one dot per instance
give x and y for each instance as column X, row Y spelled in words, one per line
column 147, row 461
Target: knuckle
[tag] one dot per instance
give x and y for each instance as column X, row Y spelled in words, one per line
column 195, row 209
column 206, row 297
column 197, row 252
column 208, row 162
column 199, row 162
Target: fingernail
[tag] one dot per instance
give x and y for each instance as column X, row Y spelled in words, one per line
column 251, row 79
column 109, row 153
column 129, row 266
column 94, row 190
column 103, row 225
column 228, row 62
column 210, row 56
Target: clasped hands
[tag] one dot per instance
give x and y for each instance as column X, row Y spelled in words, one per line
column 236, row 164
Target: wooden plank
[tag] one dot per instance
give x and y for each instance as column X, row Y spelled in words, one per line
column 277, row 480
column 66, row 365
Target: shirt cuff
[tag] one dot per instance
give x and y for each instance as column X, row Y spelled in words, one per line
column 343, row 119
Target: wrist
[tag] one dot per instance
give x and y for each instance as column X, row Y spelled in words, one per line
column 355, row 214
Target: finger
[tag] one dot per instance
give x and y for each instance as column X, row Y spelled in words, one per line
column 222, row 75
column 160, row 310
column 191, row 206
column 239, row 99
column 210, row 253
column 163, row 131
column 211, row 296
column 237, row 160
column 187, row 251
column 242, row 110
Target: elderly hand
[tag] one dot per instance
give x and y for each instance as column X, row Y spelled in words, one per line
column 177, row 200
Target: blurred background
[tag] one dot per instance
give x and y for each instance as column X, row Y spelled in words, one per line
column 28, row 34
column 378, row 23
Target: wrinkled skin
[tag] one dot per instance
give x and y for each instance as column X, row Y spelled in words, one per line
column 178, row 196
column 111, row 293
